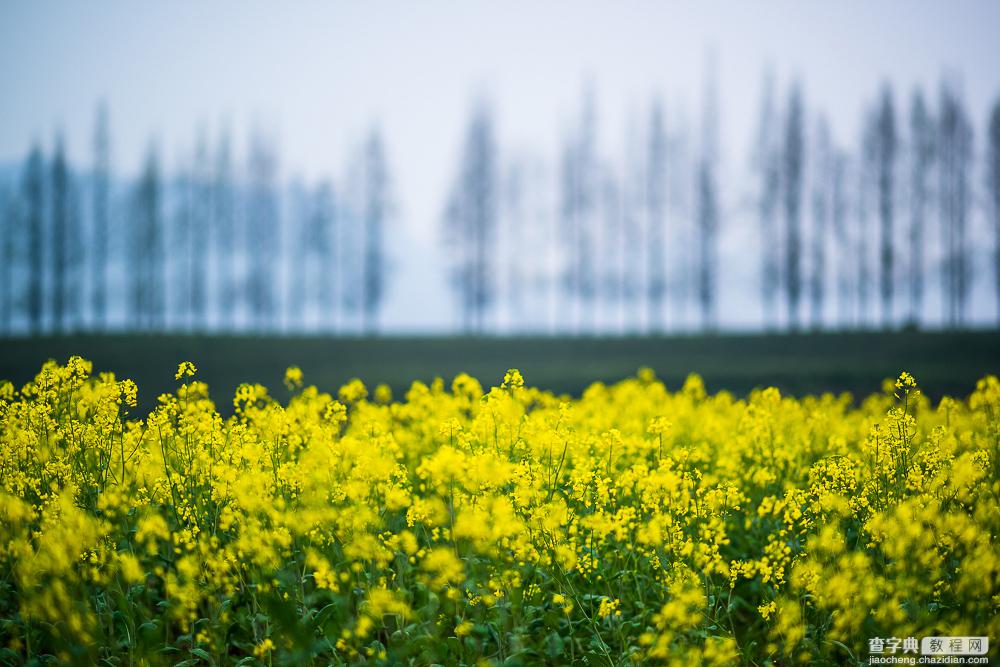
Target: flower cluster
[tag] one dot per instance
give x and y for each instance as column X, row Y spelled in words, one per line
column 509, row 525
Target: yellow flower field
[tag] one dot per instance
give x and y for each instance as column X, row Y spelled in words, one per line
column 463, row 525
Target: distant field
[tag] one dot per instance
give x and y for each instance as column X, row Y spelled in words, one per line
column 944, row 363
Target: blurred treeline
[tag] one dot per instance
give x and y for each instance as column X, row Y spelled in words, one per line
column 848, row 232
column 215, row 245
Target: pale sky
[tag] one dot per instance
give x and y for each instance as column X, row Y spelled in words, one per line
column 320, row 73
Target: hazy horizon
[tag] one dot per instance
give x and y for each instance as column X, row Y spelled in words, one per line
column 318, row 76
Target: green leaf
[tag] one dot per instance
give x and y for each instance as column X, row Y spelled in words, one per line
column 323, row 615
column 203, row 654
column 595, row 659
column 554, row 645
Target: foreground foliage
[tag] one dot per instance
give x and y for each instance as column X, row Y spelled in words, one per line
column 512, row 526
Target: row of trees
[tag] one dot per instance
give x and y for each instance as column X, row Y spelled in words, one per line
column 207, row 247
column 603, row 242
column 883, row 235
column 912, row 176
column 846, row 238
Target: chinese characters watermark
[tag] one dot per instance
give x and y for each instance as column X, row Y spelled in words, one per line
column 928, row 650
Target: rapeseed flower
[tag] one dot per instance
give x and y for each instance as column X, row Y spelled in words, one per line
column 463, row 525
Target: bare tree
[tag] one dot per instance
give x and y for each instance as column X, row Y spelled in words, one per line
column 579, row 195
column 32, row 190
column 767, row 165
column 146, row 256
column 955, row 154
column 101, row 216
column 59, row 233
column 885, row 147
column 541, row 236
column 821, row 201
column 708, row 221
column 314, row 280
column 656, row 207
column 262, row 226
column 302, row 279
column 66, row 244
column 612, row 240
column 226, row 239
column 323, row 250
column 708, row 206
column 514, row 217
column 793, row 160
column 866, row 173
column 993, row 188
column 839, row 222
column 683, row 204
column 470, row 221
column 568, row 231
column 376, row 211
column 631, row 223
column 201, row 213
column 349, row 264
column 921, row 163
column 74, row 298
column 180, row 261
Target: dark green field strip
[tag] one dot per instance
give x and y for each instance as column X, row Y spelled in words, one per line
column 944, row 363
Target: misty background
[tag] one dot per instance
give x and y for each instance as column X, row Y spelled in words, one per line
column 565, row 168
